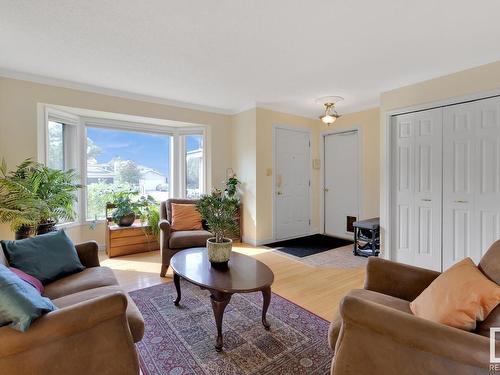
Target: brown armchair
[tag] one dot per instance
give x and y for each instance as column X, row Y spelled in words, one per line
column 376, row 333
column 172, row 241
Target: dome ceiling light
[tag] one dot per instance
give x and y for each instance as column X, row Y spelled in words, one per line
column 330, row 115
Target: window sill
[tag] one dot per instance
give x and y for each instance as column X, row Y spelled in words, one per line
column 75, row 224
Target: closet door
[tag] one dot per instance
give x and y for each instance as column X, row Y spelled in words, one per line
column 417, row 170
column 486, row 225
column 459, row 148
column 471, row 189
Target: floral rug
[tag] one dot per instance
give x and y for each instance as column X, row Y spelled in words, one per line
column 180, row 340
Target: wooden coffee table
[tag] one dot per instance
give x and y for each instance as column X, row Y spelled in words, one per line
column 244, row 274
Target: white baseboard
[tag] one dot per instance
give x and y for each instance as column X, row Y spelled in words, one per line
column 101, row 246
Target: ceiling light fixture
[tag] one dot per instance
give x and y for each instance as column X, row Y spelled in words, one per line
column 331, row 114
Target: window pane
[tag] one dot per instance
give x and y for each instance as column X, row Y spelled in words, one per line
column 55, row 150
column 194, row 165
column 125, row 160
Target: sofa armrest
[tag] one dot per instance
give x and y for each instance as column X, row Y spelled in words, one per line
column 88, row 253
column 416, row 333
column 397, row 279
column 65, row 322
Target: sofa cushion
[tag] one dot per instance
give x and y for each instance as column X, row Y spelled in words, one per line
column 134, row 317
column 20, row 302
column 33, row 281
column 47, row 257
column 190, row 238
column 89, row 278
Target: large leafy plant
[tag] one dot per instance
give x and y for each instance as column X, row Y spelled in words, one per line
column 219, row 211
column 35, row 194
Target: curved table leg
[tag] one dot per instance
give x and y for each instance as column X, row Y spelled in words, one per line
column 266, row 294
column 219, row 302
column 177, row 283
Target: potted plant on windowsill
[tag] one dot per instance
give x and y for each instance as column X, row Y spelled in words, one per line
column 34, row 198
column 219, row 212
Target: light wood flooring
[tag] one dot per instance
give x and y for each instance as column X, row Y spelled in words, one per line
column 318, row 289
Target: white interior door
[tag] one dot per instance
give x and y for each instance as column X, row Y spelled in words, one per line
column 417, row 178
column 341, row 182
column 292, row 183
column 471, row 190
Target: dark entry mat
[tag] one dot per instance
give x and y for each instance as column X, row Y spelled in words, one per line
column 309, row 245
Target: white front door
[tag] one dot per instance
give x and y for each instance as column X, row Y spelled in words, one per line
column 292, row 151
column 341, row 180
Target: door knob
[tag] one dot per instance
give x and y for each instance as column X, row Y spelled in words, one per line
column 326, row 190
column 280, row 193
column 459, row 201
column 427, row 200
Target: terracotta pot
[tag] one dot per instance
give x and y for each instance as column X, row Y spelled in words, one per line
column 127, row 220
column 219, row 253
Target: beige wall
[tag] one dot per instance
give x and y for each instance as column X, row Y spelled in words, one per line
column 244, row 165
column 18, row 127
column 472, row 81
column 369, row 124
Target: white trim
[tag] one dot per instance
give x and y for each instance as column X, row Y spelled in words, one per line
column 355, row 128
column 80, row 119
column 386, row 158
column 301, row 130
column 7, row 73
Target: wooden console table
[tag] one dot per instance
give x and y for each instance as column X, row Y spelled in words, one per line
column 129, row 240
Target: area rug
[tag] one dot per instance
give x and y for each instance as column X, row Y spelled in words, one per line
column 180, row 340
column 309, row 245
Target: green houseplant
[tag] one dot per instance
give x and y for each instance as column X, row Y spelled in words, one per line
column 34, row 198
column 124, row 209
column 219, row 212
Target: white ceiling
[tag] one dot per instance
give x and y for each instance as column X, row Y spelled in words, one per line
column 232, row 55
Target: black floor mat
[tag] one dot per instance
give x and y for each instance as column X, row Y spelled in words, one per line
column 305, row 246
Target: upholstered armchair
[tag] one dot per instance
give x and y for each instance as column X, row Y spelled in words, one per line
column 172, row 241
column 376, row 333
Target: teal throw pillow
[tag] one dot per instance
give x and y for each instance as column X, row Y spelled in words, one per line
column 47, row 257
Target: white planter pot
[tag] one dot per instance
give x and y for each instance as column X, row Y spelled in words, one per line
column 219, row 252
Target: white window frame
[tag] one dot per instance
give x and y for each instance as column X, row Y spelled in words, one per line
column 76, row 149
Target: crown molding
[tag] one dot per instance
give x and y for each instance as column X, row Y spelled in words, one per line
column 13, row 74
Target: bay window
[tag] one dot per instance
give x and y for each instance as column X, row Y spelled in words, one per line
column 111, row 155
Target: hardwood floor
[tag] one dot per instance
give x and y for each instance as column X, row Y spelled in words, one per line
column 317, row 289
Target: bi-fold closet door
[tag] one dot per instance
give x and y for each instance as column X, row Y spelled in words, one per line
column 446, row 183
column 471, row 184
column 417, row 182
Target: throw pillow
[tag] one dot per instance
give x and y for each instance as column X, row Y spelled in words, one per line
column 33, row 281
column 47, row 257
column 20, row 303
column 185, row 217
column 459, row 297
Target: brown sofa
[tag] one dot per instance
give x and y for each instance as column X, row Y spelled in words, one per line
column 92, row 332
column 172, row 241
column 376, row 333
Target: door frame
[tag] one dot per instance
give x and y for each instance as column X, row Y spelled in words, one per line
column 299, row 129
column 322, row 138
column 386, row 152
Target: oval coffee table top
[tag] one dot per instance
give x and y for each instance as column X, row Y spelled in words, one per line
column 244, row 273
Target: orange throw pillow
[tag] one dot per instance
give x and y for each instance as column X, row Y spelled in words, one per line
column 185, row 217
column 458, row 297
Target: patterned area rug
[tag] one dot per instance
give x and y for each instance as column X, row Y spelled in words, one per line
column 180, row 340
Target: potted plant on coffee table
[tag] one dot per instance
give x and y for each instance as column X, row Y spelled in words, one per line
column 219, row 212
